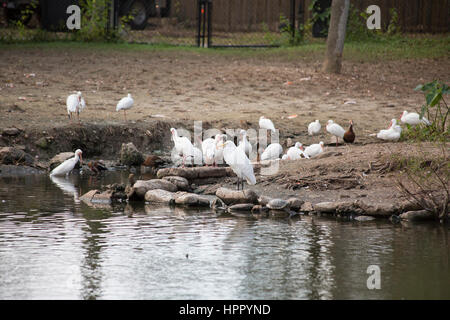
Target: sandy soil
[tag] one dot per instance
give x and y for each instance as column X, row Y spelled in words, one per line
column 225, row 91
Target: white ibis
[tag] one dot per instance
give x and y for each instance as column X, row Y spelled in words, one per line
column 314, row 150
column 244, row 144
column 392, row 133
column 272, row 152
column 125, row 104
column 68, row 165
column 211, row 153
column 182, row 145
column 314, row 128
column 267, row 124
column 239, row 163
column 296, row 152
column 413, row 118
column 75, row 103
column 336, row 130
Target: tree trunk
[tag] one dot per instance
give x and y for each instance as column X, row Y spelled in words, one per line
column 336, row 36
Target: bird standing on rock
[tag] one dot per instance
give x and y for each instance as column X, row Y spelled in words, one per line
column 349, row 135
column 75, row 103
column 235, row 157
column 125, row 104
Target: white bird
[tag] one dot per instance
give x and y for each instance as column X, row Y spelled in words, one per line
column 267, row 124
column 212, row 154
column 75, row 103
column 182, row 145
column 239, row 163
column 413, row 118
column 296, row 152
column 68, row 165
column 336, row 130
column 125, row 104
column 392, row 133
column 244, row 144
column 314, row 128
column 194, row 156
column 272, row 152
column 314, row 150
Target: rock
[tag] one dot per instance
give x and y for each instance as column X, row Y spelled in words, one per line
column 364, row 218
column 160, row 196
column 180, row 182
column 264, row 200
column 380, row 210
column 196, row 173
column 130, row 155
column 88, row 195
column 295, row 203
column 141, row 187
column 191, row 199
column 60, row 158
column 234, row 197
column 307, row 207
column 14, row 156
column 247, row 207
column 277, row 204
column 421, row 215
column 326, row 207
column 42, row 143
column 10, row 132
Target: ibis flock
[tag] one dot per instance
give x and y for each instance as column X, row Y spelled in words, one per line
column 216, row 150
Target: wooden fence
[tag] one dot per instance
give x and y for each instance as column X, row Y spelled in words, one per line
column 250, row 15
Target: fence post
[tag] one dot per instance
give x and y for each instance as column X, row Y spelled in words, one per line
column 209, row 5
column 293, row 18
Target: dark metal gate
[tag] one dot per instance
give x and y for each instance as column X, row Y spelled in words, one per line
column 247, row 23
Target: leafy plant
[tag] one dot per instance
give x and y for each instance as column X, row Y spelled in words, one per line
column 319, row 15
column 393, row 27
column 436, row 111
column 292, row 37
column 94, row 22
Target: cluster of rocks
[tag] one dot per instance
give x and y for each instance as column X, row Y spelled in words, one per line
column 15, row 161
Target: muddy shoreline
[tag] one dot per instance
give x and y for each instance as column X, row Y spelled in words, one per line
column 347, row 175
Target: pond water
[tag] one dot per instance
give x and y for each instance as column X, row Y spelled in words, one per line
column 52, row 246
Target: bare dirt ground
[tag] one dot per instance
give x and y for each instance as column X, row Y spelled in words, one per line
column 174, row 88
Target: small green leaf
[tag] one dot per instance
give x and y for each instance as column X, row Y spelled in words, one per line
column 419, row 87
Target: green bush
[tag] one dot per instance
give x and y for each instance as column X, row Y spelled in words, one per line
column 435, row 110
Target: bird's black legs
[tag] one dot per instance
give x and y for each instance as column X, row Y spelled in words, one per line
column 237, row 183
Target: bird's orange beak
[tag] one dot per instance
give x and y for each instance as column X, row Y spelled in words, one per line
column 81, row 159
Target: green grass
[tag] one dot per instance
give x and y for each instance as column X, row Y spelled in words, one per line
column 387, row 48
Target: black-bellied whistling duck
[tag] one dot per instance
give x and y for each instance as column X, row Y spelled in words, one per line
column 349, row 135
column 96, row 166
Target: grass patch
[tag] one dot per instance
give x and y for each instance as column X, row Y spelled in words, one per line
column 389, row 48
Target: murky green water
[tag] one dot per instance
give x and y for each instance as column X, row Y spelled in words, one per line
column 52, row 246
